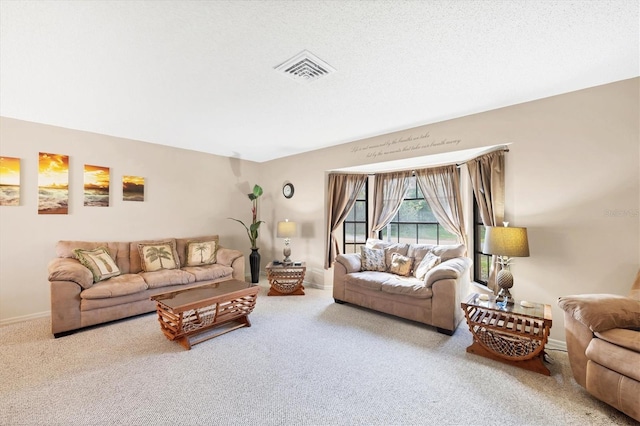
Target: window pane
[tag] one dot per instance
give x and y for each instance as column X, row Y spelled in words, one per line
column 361, row 233
column 408, row 233
column 446, row 237
column 360, row 211
column 351, row 216
column 428, row 234
column 349, row 232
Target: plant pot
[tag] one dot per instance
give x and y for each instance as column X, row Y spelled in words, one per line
column 254, row 262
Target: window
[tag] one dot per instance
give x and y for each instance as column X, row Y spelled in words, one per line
column 481, row 261
column 415, row 223
column 355, row 225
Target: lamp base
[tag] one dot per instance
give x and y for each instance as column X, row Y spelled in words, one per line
column 287, row 252
column 505, row 282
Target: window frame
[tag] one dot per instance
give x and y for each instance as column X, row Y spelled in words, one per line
column 385, row 233
column 355, row 244
column 478, row 239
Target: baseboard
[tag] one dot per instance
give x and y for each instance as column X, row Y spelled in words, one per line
column 14, row 320
column 556, row 345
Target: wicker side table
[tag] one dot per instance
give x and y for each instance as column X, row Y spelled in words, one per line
column 513, row 335
column 286, row 280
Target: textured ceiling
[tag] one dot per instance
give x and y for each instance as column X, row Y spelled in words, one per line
column 200, row 74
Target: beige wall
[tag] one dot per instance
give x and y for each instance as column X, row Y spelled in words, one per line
column 572, row 178
column 186, row 194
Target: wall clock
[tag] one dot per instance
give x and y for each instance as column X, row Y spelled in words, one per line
column 287, row 190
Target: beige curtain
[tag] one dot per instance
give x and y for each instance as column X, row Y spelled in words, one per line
column 487, row 178
column 343, row 191
column 388, row 193
column 441, row 188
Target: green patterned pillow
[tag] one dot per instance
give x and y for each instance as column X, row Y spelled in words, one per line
column 372, row 259
column 99, row 262
column 401, row 265
column 201, row 252
column 157, row 256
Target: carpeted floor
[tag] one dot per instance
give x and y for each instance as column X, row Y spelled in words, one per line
column 304, row 361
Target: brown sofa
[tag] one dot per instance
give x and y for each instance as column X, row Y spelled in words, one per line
column 78, row 301
column 603, row 343
column 433, row 300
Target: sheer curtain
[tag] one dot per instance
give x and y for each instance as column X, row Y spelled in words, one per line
column 388, row 193
column 441, row 188
column 343, row 191
column 487, row 178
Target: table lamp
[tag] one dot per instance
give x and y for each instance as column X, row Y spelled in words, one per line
column 286, row 230
column 505, row 243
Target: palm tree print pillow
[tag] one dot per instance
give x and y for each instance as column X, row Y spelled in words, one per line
column 99, row 262
column 156, row 256
column 201, row 253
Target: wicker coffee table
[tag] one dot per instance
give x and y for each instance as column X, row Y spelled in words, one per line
column 515, row 334
column 196, row 314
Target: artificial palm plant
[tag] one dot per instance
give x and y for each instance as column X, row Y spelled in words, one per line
column 252, row 230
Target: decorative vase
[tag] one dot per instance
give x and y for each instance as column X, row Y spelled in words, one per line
column 254, row 262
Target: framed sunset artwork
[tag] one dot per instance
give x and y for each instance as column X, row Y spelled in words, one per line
column 96, row 186
column 9, row 181
column 132, row 188
column 53, row 183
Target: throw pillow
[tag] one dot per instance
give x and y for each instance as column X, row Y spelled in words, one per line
column 429, row 261
column 201, row 252
column 401, row 265
column 156, row 256
column 372, row 259
column 99, row 262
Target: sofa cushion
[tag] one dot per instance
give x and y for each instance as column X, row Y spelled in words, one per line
column 614, row 357
column 117, row 286
column 446, row 252
column 368, row 279
column 626, row 338
column 601, row 312
column 166, row 277
column 201, row 252
column 409, row 286
column 99, row 262
column 372, row 259
column 401, row 265
column 427, row 263
column 209, row 272
column 158, row 255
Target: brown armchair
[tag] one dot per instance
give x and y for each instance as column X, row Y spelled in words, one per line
column 603, row 343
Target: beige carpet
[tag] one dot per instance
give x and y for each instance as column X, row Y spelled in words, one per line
column 305, row 361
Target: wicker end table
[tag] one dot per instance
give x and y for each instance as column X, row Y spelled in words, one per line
column 514, row 334
column 286, row 280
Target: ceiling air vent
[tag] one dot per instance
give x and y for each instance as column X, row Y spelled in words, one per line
column 305, row 67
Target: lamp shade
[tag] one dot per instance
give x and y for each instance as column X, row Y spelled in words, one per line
column 286, row 229
column 506, row 241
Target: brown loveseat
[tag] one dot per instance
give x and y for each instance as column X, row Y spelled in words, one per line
column 433, row 299
column 603, row 342
column 80, row 299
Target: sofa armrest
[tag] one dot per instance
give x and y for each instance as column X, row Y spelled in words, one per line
column 350, row 261
column 67, row 269
column 226, row 256
column 602, row 312
column 449, row 269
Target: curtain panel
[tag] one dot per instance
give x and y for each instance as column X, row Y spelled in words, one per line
column 343, row 191
column 487, row 179
column 388, row 194
column 441, row 189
